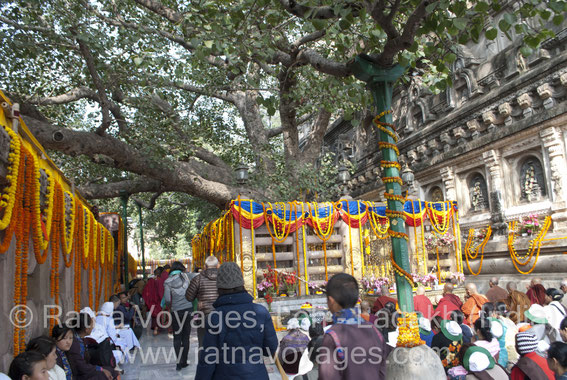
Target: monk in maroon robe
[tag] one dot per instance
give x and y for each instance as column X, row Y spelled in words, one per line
column 383, row 299
column 422, row 304
column 448, row 303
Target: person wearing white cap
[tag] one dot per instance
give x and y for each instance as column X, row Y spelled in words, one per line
column 448, row 343
column 425, row 332
column 530, row 365
column 100, row 335
column 541, row 328
column 480, row 364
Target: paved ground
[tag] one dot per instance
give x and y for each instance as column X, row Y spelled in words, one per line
column 156, row 360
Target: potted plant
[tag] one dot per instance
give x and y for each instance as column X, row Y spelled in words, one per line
column 290, row 282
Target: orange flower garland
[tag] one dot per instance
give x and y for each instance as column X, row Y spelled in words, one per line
column 40, row 241
column 68, row 233
column 408, row 327
column 55, row 247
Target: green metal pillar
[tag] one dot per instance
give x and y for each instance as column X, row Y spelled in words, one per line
column 124, row 198
column 380, row 82
column 142, row 241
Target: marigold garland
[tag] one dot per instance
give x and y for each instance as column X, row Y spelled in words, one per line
column 39, row 240
column 408, row 328
column 390, row 164
column 387, row 145
column 394, row 197
column 535, row 245
column 400, row 271
column 8, row 198
column 382, row 126
column 393, row 180
column 395, row 214
column 479, row 248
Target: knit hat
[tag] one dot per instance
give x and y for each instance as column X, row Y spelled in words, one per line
column 536, row 313
column 451, row 330
column 496, row 328
column 229, row 276
column 478, row 359
column 526, row 343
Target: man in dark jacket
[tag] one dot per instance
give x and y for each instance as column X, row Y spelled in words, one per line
column 204, row 288
column 239, row 333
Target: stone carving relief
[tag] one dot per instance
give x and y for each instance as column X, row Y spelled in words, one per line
column 436, row 194
column 478, row 193
column 531, row 180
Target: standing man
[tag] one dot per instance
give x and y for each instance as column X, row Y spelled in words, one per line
column 204, row 288
column 563, row 288
column 175, row 288
column 473, row 304
column 349, row 334
column 495, row 293
column 239, row 333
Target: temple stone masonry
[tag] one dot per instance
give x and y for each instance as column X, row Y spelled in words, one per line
column 495, row 142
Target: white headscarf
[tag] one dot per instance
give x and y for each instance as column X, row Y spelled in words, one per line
column 89, row 311
column 305, row 324
column 107, row 308
column 293, row 323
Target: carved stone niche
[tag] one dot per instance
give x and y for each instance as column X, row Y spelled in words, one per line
column 461, row 135
column 532, row 181
column 478, row 193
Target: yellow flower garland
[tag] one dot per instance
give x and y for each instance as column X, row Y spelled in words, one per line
column 390, row 164
column 534, row 244
column 408, row 328
column 8, row 199
column 387, row 145
column 480, row 247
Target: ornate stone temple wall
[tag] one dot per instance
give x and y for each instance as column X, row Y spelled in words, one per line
column 495, row 142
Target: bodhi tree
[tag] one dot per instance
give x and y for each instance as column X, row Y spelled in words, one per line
column 155, row 96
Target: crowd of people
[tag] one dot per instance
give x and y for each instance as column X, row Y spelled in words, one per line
column 503, row 334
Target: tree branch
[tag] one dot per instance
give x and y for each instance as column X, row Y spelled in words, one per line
column 103, row 99
column 148, row 205
column 75, row 94
column 323, row 64
column 401, row 42
column 315, row 138
column 274, row 132
column 309, row 38
column 162, row 10
column 303, row 11
column 113, row 189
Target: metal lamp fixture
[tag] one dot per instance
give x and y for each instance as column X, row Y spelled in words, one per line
column 344, row 175
column 242, row 174
column 407, row 175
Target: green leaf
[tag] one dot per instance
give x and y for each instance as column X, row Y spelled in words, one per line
column 451, row 57
column 510, row 18
column 545, row 14
column 491, row 34
column 431, row 7
column 481, row 7
column 344, row 24
column 460, row 23
column 138, row 61
column 319, row 24
column 209, row 44
column 558, row 19
column 504, row 25
column 526, row 51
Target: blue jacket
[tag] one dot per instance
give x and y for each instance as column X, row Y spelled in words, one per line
column 239, row 334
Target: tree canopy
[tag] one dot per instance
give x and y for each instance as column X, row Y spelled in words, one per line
column 159, row 96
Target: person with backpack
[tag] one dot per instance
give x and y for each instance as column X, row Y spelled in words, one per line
column 350, row 333
column 175, row 288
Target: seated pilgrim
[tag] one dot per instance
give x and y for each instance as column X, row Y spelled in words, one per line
column 122, row 336
column 102, row 349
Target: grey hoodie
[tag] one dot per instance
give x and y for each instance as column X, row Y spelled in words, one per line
column 174, row 291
